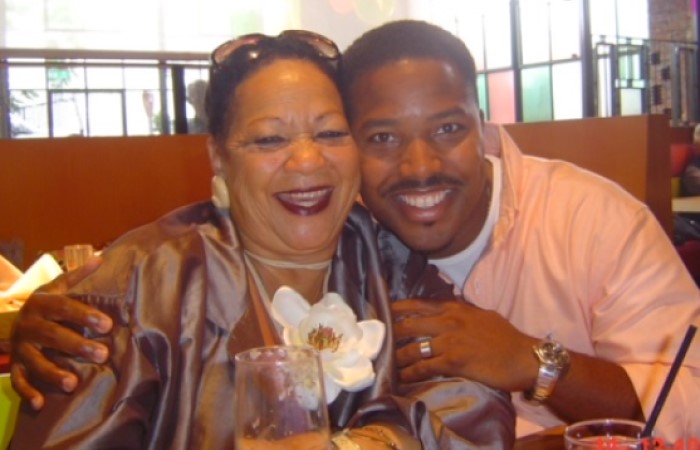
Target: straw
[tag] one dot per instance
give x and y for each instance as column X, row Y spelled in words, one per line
column 651, row 422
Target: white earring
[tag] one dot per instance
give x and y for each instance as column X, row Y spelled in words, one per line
column 219, row 193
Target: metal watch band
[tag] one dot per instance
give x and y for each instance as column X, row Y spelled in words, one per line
column 554, row 361
column 544, row 385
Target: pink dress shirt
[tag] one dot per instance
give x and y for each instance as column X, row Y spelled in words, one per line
column 574, row 254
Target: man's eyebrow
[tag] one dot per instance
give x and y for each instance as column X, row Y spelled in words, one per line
column 456, row 111
column 378, row 123
column 374, row 123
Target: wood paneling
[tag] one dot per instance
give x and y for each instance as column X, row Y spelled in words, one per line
column 61, row 191
column 634, row 151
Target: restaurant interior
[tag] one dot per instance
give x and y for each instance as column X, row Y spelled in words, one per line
column 98, row 132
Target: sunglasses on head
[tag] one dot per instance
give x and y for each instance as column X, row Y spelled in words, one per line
column 325, row 47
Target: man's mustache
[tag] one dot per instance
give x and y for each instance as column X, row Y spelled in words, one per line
column 434, row 181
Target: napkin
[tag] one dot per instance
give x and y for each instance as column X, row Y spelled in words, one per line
column 8, row 274
column 16, row 286
column 44, row 269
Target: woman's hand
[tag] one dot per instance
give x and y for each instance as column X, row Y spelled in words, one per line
column 36, row 327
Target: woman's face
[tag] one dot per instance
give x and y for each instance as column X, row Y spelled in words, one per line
column 289, row 162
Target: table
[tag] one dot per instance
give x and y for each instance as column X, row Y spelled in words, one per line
column 549, row 439
column 686, row 204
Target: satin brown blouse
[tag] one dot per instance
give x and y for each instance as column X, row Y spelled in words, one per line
column 177, row 292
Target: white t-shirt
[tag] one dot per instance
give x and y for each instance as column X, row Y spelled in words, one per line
column 456, row 268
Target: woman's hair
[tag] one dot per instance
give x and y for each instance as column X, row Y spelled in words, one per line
column 225, row 76
column 403, row 39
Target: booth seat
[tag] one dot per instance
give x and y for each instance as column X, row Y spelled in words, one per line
column 688, row 248
column 681, row 155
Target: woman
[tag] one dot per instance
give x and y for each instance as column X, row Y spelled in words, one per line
column 189, row 291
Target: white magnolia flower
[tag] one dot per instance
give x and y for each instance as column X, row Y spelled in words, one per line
column 347, row 346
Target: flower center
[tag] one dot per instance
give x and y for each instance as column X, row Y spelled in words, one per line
column 322, row 338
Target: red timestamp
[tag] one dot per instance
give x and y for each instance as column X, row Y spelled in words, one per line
column 615, row 443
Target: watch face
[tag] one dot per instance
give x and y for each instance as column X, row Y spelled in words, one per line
column 554, row 353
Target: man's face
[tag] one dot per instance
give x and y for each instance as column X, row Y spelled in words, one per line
column 424, row 176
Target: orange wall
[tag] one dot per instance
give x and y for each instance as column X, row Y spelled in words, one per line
column 60, row 191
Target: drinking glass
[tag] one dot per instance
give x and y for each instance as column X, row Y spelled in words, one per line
column 280, row 402
column 76, row 255
column 603, row 434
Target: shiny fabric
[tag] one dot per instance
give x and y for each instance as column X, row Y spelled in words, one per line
column 178, row 295
column 574, row 254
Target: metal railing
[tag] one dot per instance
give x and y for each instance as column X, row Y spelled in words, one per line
column 632, row 76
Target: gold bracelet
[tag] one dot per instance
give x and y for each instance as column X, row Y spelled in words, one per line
column 342, row 441
column 382, row 437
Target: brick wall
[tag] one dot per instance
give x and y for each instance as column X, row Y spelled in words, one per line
column 671, row 21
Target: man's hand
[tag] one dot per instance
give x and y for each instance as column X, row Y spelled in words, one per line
column 37, row 327
column 466, row 342
column 481, row 345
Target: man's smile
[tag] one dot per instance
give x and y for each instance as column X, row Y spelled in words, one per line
column 424, row 200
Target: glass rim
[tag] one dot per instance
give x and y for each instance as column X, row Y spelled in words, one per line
column 604, row 421
column 570, row 430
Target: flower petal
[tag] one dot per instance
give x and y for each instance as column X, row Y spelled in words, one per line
column 289, row 308
column 331, row 387
column 356, row 377
column 345, row 359
column 335, row 302
column 373, row 332
column 290, row 336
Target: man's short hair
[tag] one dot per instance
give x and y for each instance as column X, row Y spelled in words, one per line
column 403, row 39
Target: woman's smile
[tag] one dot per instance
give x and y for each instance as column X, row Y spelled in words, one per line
column 306, row 202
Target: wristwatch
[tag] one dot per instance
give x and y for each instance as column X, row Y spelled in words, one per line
column 554, row 362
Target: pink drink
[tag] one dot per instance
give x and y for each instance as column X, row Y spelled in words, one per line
column 604, row 434
column 605, row 443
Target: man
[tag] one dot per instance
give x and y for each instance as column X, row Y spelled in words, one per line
column 551, row 248
column 196, row 93
column 544, row 248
